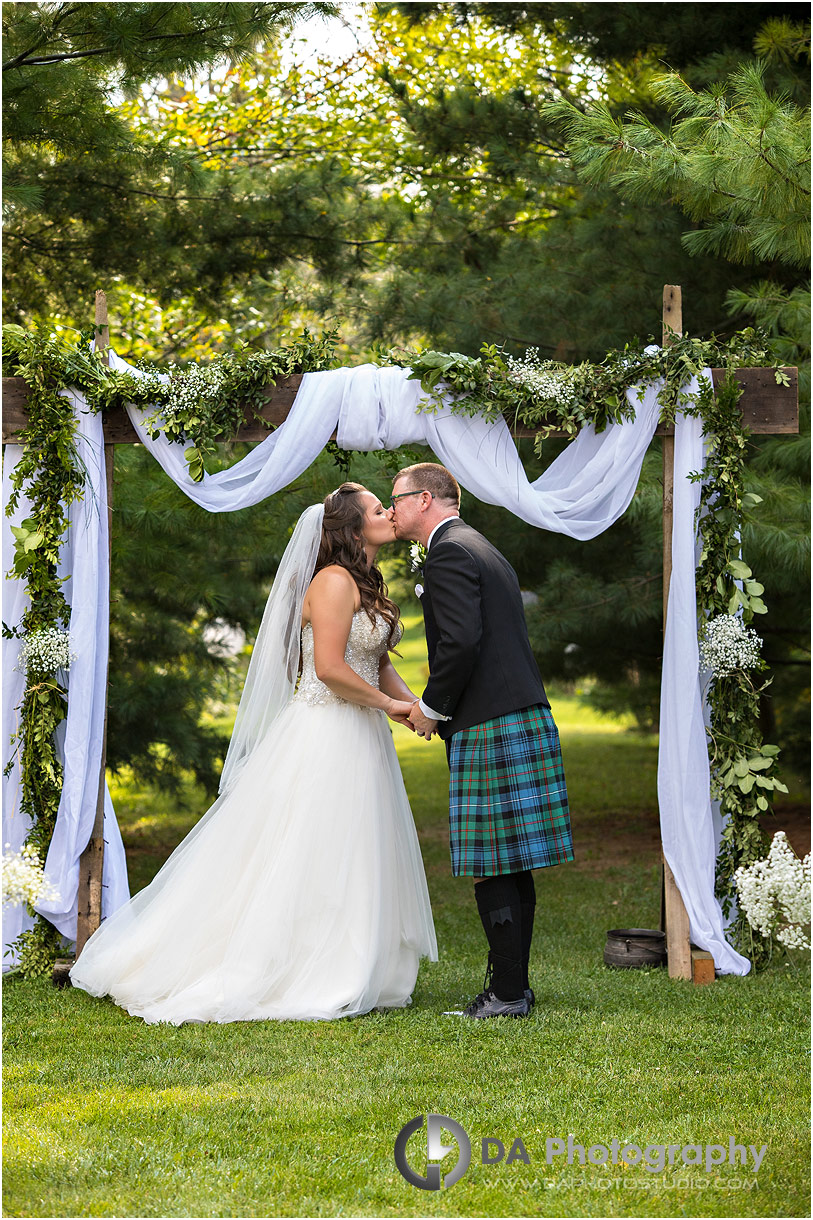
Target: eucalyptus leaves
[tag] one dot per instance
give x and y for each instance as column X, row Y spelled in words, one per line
column 551, row 396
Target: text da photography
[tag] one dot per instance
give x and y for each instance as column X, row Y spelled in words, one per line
column 424, row 1170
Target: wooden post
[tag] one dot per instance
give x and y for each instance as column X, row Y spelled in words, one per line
column 678, row 947
column 91, row 863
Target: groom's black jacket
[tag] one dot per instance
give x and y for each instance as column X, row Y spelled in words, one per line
column 480, row 659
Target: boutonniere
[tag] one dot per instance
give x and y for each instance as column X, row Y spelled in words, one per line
column 417, row 557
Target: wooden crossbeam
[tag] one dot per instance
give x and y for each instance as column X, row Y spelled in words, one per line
column 767, row 408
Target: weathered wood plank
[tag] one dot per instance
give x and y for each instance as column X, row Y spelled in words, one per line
column 678, row 945
column 676, row 917
column 767, row 408
column 117, row 427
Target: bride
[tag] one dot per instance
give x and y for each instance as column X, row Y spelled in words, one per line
column 301, row 894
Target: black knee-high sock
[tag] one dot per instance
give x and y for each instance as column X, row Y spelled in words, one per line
column 501, row 917
column 527, row 898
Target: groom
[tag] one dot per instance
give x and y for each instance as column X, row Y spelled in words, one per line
column 508, row 810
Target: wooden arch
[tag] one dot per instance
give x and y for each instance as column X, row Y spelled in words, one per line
column 767, row 409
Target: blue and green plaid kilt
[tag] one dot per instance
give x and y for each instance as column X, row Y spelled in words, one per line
column 508, row 806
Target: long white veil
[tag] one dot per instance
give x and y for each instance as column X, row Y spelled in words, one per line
column 272, row 671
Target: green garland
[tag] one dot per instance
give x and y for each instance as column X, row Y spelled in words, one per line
column 744, row 770
column 553, row 397
column 202, row 406
column 53, row 478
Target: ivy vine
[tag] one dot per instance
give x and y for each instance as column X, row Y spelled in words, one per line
column 744, row 769
column 201, row 406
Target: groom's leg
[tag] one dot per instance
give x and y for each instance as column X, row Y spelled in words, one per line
column 527, row 900
column 501, row 915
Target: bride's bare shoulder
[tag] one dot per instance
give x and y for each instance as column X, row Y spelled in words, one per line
column 333, row 584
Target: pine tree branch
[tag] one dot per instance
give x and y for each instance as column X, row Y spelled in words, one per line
column 18, row 59
column 796, row 185
column 23, row 61
column 56, row 59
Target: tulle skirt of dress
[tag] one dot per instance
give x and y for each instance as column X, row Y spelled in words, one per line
column 300, row 895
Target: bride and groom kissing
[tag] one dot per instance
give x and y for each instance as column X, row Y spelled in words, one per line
column 301, row 893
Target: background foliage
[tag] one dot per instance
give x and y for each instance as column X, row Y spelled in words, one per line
column 434, row 188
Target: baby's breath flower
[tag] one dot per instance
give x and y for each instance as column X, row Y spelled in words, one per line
column 24, row 879
column 46, row 651
column 544, row 380
column 727, row 645
column 774, row 894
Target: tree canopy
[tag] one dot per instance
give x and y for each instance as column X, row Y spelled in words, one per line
column 520, row 174
column 89, row 197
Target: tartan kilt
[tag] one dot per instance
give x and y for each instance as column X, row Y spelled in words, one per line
column 508, row 807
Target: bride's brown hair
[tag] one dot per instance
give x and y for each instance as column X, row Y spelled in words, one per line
column 342, row 543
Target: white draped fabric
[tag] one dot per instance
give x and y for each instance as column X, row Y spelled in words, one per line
column 83, row 561
column 582, row 493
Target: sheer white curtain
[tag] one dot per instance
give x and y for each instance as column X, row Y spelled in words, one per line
column 83, row 561
column 581, row 494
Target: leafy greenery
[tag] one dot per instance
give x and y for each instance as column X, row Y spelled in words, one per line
column 587, row 393
column 50, row 473
column 207, row 405
column 37, row 948
column 744, row 769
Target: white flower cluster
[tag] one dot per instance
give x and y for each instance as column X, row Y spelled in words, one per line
column 190, row 388
column 24, row 879
column 775, row 894
column 543, row 379
column 46, row 651
column 727, row 645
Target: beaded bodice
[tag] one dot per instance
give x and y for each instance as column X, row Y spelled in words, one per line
column 365, row 646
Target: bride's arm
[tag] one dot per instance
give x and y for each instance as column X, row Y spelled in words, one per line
column 391, row 681
column 331, row 602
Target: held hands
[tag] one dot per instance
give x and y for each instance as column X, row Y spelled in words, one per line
column 421, row 724
column 399, row 710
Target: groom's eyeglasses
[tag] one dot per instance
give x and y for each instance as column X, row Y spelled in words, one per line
column 403, row 494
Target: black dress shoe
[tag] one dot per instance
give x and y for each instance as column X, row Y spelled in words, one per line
column 530, row 997
column 487, row 1004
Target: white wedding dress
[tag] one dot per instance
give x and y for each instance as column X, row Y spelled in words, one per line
column 300, row 895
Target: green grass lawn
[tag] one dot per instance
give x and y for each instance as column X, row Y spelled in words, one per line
column 106, row 1116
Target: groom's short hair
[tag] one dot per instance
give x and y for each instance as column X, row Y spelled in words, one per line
column 429, row 476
